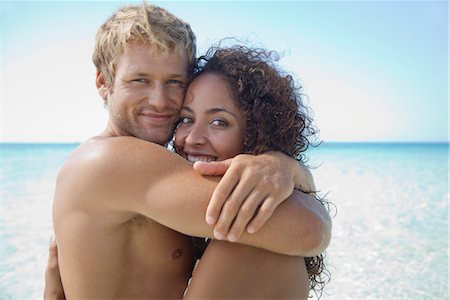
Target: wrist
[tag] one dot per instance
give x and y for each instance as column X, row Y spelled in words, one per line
column 303, row 179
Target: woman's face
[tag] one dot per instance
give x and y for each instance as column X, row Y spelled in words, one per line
column 211, row 124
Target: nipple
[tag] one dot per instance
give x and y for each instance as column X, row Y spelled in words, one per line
column 177, row 253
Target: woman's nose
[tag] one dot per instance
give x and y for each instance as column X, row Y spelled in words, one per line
column 196, row 136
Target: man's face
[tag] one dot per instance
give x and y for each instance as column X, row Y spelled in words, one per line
column 147, row 94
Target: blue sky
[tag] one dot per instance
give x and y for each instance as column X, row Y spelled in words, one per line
column 373, row 71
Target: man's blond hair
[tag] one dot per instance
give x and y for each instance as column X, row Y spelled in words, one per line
column 159, row 29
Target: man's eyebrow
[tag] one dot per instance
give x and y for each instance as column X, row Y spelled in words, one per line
column 178, row 75
column 143, row 74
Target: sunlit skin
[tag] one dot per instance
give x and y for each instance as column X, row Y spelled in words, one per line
column 211, row 124
column 147, row 94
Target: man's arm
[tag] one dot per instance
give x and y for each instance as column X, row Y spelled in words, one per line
column 251, row 189
column 128, row 176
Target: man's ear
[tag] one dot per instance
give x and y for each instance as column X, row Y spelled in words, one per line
column 102, row 85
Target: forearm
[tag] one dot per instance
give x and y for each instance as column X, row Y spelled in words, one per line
column 303, row 179
column 299, row 226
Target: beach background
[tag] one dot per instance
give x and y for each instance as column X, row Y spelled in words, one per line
column 390, row 233
column 376, row 75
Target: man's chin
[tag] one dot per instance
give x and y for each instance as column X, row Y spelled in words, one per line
column 161, row 139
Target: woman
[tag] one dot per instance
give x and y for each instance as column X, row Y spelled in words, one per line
column 239, row 102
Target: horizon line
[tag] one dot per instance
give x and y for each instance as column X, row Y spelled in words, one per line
column 322, row 142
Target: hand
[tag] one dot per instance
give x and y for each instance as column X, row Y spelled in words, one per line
column 53, row 285
column 249, row 192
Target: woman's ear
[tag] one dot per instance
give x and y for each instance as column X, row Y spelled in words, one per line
column 102, row 85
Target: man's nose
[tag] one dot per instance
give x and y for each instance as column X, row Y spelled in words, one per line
column 158, row 96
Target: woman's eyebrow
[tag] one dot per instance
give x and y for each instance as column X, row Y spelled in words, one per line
column 219, row 109
column 187, row 108
column 210, row 111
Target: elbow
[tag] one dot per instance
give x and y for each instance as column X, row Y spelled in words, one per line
column 321, row 237
column 314, row 239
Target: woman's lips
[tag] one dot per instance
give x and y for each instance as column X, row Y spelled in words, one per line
column 199, row 157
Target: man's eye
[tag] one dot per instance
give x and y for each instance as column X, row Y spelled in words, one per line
column 219, row 123
column 140, row 80
column 174, row 81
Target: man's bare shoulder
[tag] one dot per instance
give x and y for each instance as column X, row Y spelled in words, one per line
column 108, row 172
column 104, row 154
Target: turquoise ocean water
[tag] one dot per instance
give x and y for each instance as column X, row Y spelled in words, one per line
column 390, row 234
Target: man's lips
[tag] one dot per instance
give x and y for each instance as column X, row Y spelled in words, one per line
column 157, row 118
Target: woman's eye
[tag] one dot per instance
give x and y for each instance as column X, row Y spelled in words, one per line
column 185, row 120
column 140, row 80
column 219, row 123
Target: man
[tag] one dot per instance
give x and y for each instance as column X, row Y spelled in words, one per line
column 125, row 207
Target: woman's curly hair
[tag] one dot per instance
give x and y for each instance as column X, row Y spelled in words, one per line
column 276, row 119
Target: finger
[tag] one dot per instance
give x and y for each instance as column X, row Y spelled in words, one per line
column 52, row 255
column 214, row 168
column 221, row 193
column 231, row 208
column 53, row 285
column 53, row 248
column 247, row 211
column 263, row 214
